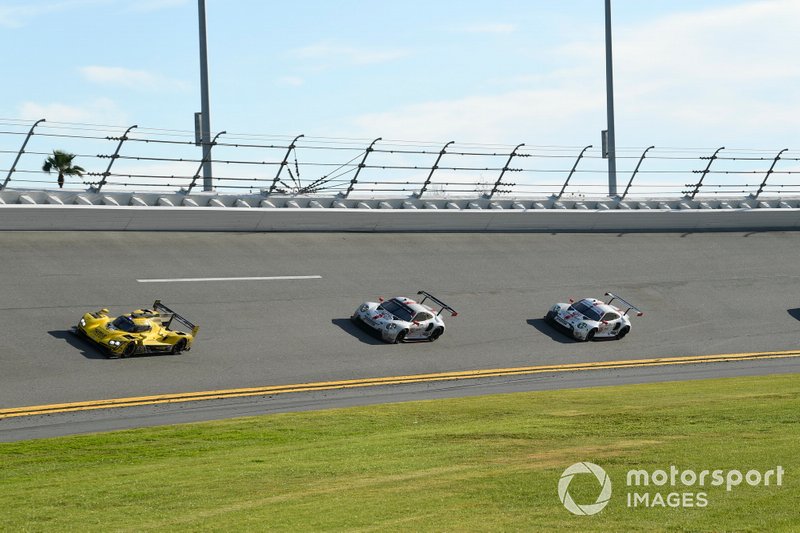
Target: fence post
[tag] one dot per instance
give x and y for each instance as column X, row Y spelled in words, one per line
column 700, row 183
column 205, row 159
column 763, row 183
column 19, row 154
column 113, row 157
column 433, row 169
column 283, row 164
column 634, row 172
column 360, row 166
column 571, row 172
column 502, row 173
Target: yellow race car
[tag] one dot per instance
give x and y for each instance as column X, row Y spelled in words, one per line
column 140, row 332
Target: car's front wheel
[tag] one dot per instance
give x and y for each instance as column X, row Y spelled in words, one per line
column 591, row 334
column 401, row 336
column 129, row 349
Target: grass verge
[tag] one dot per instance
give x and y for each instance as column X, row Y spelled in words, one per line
column 470, row 464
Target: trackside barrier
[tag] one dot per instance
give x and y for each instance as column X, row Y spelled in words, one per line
column 473, row 217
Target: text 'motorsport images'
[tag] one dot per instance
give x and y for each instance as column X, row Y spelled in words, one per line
column 401, row 319
column 590, row 318
column 141, row 332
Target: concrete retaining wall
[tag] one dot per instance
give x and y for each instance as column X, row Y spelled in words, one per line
column 146, row 218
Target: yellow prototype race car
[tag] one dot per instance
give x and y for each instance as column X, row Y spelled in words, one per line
column 143, row 331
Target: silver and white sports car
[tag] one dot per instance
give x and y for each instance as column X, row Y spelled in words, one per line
column 402, row 319
column 589, row 318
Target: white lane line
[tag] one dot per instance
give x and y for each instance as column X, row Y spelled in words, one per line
column 263, row 278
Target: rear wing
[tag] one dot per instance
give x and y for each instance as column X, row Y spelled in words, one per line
column 164, row 310
column 437, row 301
column 627, row 304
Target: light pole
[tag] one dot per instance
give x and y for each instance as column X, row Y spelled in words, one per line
column 611, row 144
column 205, row 114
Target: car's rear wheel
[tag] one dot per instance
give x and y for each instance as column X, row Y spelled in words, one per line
column 436, row 334
column 178, row 347
column 401, row 336
column 129, row 349
column 550, row 316
column 624, row 331
column 590, row 335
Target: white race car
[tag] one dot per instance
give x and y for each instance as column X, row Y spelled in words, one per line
column 590, row 319
column 402, row 319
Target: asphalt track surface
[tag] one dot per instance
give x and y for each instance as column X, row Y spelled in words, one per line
column 702, row 293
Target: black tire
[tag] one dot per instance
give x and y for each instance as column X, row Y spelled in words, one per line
column 436, row 334
column 590, row 335
column 549, row 316
column 129, row 350
column 178, row 347
column 624, row 331
column 401, row 336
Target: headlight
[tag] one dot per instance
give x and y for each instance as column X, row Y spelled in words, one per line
column 83, row 322
column 363, row 308
column 114, row 343
column 582, row 325
column 391, row 326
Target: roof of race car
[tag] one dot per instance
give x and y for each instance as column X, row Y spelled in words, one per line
column 411, row 304
column 600, row 305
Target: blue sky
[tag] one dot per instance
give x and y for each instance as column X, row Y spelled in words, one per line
column 701, row 73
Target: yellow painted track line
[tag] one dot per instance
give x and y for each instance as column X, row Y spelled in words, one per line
column 392, row 380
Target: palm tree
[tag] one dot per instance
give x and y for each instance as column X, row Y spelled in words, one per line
column 62, row 162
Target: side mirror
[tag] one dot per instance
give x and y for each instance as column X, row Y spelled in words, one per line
column 416, row 323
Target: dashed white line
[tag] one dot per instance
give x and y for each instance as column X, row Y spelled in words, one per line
column 261, row 278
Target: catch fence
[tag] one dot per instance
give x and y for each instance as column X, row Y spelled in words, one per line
column 133, row 158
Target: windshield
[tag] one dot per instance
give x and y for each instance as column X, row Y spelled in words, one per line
column 124, row 323
column 587, row 310
column 397, row 309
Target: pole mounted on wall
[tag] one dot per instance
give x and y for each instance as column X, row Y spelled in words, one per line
column 204, row 162
column 113, row 158
column 635, row 170
column 283, row 164
column 764, row 183
column 19, row 154
column 433, row 169
column 705, row 172
column 205, row 114
column 499, row 181
column 360, row 166
column 571, row 172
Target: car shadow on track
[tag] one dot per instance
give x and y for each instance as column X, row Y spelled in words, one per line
column 794, row 313
column 353, row 329
column 545, row 328
column 87, row 349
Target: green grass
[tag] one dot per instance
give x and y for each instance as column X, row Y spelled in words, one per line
column 475, row 464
